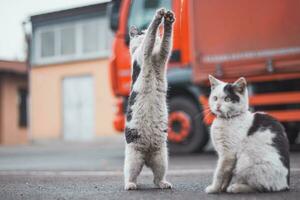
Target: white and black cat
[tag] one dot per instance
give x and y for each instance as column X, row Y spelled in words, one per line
column 253, row 148
column 147, row 113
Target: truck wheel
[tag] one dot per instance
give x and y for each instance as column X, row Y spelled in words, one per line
column 187, row 132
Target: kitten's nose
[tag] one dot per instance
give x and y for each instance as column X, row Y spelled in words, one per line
column 218, row 107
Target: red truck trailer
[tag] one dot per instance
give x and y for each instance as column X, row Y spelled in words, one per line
column 257, row 39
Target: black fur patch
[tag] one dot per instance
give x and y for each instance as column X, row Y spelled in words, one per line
column 132, row 98
column 131, row 135
column 229, row 91
column 131, row 101
column 136, row 69
column 129, row 114
column 280, row 141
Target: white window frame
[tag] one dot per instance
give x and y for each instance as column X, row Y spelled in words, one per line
column 79, row 54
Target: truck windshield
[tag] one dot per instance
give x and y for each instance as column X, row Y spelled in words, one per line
column 142, row 11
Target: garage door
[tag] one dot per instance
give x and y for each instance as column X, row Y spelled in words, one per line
column 78, row 108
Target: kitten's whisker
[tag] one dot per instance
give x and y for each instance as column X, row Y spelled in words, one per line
column 205, row 112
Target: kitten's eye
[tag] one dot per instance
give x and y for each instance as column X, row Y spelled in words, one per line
column 215, row 98
column 227, row 99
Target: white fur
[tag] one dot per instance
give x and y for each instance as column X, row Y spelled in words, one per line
column 149, row 112
column 242, row 106
column 252, row 160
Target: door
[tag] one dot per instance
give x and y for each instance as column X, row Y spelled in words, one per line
column 78, row 108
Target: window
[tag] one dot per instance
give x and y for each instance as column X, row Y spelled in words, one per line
column 142, row 11
column 47, row 44
column 84, row 39
column 22, row 107
column 90, row 37
column 67, row 37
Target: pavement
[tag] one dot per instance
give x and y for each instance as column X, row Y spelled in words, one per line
column 93, row 170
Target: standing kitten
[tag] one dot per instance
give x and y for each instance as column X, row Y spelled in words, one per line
column 147, row 114
column 252, row 147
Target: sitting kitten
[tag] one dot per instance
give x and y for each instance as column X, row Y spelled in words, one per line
column 147, row 114
column 252, row 147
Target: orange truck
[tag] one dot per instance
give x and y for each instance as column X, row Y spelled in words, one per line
column 257, row 39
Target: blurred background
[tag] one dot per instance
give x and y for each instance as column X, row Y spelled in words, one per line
column 65, row 79
column 65, row 66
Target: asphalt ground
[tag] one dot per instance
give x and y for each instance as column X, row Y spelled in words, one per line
column 93, row 170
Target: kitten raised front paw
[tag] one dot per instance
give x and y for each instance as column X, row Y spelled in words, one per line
column 160, row 13
column 169, row 17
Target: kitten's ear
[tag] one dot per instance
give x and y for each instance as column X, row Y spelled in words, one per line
column 213, row 81
column 133, row 31
column 240, row 85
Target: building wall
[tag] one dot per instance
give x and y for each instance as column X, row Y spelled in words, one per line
column 10, row 131
column 46, row 97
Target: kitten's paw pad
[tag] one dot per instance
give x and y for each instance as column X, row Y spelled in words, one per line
column 169, row 16
column 130, row 186
column 160, row 13
column 165, row 185
column 211, row 189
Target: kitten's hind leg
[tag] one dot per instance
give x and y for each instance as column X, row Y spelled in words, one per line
column 133, row 165
column 239, row 188
column 151, row 33
column 158, row 163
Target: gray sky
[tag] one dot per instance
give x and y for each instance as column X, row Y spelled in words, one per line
column 14, row 12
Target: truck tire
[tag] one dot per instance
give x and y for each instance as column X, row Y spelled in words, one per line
column 187, row 132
